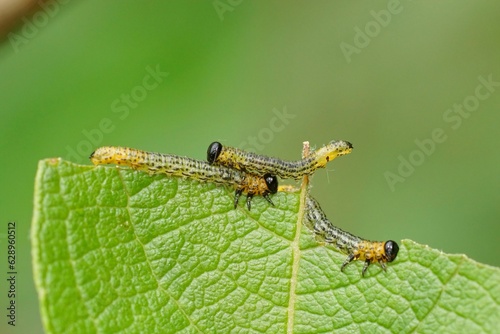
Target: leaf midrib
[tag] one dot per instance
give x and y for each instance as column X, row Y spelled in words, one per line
column 296, row 256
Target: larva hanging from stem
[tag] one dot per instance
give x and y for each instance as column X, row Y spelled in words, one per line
column 355, row 247
column 157, row 163
column 259, row 164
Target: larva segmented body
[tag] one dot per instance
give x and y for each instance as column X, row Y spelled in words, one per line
column 355, row 247
column 157, row 163
column 259, row 164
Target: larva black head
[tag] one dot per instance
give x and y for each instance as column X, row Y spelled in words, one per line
column 272, row 183
column 213, row 152
column 391, row 249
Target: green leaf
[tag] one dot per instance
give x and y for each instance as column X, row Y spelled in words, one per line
column 115, row 250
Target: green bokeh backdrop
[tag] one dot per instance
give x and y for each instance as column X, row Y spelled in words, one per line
column 231, row 73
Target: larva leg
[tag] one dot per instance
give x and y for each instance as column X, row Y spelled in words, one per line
column 268, row 198
column 347, row 261
column 382, row 264
column 367, row 263
column 237, row 195
column 249, row 201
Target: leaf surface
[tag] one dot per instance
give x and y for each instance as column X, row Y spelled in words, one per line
column 115, row 250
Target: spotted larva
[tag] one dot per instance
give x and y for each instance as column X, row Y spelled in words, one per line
column 235, row 158
column 355, row 247
column 157, row 163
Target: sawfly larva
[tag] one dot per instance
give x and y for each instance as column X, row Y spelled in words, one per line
column 157, row 163
column 355, row 247
column 260, row 164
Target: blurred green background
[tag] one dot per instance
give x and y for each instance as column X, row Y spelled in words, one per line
column 267, row 76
